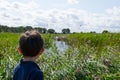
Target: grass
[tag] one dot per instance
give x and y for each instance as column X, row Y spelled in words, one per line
column 89, row 57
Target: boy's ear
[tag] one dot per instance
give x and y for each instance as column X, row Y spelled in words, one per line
column 41, row 51
column 19, row 50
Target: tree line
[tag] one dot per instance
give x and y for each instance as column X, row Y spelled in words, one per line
column 20, row 29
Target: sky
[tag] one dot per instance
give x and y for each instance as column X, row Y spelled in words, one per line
column 77, row 15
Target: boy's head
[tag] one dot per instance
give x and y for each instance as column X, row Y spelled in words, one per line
column 30, row 43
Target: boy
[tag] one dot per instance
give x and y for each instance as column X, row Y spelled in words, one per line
column 31, row 47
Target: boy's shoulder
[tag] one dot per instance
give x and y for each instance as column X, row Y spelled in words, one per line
column 37, row 73
column 28, row 65
column 28, row 68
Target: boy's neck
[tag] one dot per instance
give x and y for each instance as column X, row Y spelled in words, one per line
column 29, row 59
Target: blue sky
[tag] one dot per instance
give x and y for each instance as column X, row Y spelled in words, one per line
column 89, row 5
column 78, row 15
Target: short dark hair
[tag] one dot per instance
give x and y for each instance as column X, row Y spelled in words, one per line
column 31, row 43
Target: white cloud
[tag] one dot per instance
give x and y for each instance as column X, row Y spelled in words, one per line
column 114, row 11
column 16, row 14
column 73, row 1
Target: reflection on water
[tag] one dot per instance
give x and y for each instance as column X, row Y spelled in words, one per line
column 61, row 46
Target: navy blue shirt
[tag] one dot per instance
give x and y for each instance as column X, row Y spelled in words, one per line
column 27, row 70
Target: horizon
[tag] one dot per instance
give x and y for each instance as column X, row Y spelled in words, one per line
column 77, row 15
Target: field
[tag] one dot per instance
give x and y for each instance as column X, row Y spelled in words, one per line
column 90, row 56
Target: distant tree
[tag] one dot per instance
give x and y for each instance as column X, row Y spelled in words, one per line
column 41, row 30
column 74, row 32
column 81, row 32
column 21, row 29
column 44, row 30
column 28, row 27
column 92, row 32
column 51, row 31
column 0, row 28
column 105, row 31
column 38, row 29
column 14, row 29
column 66, row 31
column 3, row 28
